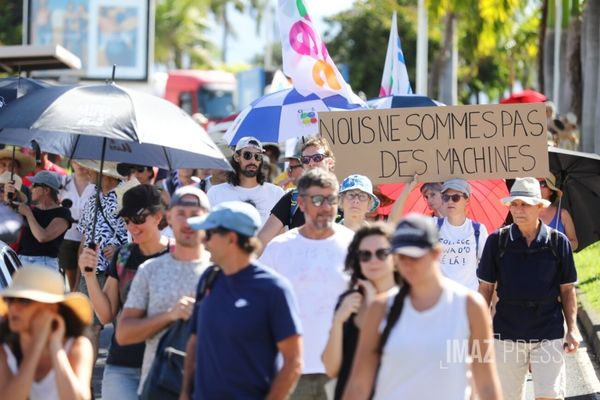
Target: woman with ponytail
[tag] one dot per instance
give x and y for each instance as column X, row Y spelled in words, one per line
column 371, row 267
column 430, row 328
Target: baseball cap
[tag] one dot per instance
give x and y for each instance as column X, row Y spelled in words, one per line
column 457, row 184
column 236, row 216
column 47, row 178
column 178, row 198
column 140, row 198
column 249, row 141
column 415, row 235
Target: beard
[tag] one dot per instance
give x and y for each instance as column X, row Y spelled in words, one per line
column 249, row 173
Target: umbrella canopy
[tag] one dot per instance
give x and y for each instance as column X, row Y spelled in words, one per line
column 409, row 100
column 21, row 86
column 526, row 96
column 484, row 204
column 283, row 115
column 139, row 128
column 578, row 176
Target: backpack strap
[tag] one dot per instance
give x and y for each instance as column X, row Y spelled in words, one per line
column 206, row 284
column 293, row 205
column 477, row 230
column 440, row 222
column 503, row 236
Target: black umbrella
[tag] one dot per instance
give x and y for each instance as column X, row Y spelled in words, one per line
column 578, row 176
column 21, row 86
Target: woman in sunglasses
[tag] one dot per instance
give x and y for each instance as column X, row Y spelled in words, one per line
column 46, row 221
column 356, row 201
column 44, row 351
column 142, row 212
column 372, row 272
column 554, row 215
column 422, row 343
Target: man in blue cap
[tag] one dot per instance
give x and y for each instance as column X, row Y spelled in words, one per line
column 245, row 315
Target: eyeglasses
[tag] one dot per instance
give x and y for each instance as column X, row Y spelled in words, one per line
column 318, row 199
column 217, row 231
column 136, row 219
column 361, row 196
column 455, row 197
column 247, row 155
column 291, row 168
column 366, row 255
column 315, row 157
column 17, row 300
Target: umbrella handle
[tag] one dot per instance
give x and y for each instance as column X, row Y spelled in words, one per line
column 92, row 246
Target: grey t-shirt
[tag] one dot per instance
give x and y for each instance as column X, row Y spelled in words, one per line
column 157, row 285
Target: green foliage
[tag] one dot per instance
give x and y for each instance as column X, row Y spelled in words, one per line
column 359, row 38
column 588, row 274
column 11, row 17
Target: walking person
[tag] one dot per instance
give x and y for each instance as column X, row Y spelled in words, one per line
column 462, row 239
column 77, row 189
column 46, row 222
column 356, row 201
column 409, row 359
column 163, row 288
column 44, row 354
column 554, row 215
column 531, row 267
column 371, row 267
column 312, row 258
column 247, row 182
column 244, row 319
column 315, row 153
column 142, row 212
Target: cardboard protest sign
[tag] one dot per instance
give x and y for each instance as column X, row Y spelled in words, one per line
column 437, row 143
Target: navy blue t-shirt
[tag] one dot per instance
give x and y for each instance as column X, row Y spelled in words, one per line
column 238, row 325
column 526, row 275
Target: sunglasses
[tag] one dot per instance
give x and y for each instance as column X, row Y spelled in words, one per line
column 136, row 219
column 217, row 231
column 291, row 168
column 366, row 255
column 318, row 199
column 247, row 155
column 140, row 169
column 315, row 157
column 17, row 300
column 360, row 196
column 455, row 197
column 543, row 184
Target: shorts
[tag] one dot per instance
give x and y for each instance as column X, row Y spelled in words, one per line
column 68, row 255
column 547, row 361
column 101, row 276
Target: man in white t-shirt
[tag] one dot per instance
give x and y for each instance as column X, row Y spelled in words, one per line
column 247, row 181
column 462, row 239
column 312, row 258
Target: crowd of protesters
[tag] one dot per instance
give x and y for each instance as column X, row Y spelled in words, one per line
column 258, row 283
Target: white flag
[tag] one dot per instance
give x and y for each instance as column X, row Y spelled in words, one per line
column 395, row 76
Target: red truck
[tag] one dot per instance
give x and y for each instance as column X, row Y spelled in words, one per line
column 210, row 93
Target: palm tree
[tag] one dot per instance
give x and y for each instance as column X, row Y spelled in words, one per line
column 180, row 30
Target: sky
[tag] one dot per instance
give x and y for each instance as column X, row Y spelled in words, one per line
column 247, row 45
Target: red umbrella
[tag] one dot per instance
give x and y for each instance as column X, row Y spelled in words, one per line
column 526, row 96
column 484, row 205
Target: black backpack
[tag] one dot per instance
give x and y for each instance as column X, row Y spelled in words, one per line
column 166, row 374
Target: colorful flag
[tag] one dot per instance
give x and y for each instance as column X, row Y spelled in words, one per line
column 305, row 56
column 395, row 76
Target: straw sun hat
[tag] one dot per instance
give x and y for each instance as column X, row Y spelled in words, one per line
column 45, row 285
column 26, row 163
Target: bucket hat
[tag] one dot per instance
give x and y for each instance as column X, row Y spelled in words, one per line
column 109, row 168
column 45, row 285
column 550, row 180
column 47, row 178
column 362, row 183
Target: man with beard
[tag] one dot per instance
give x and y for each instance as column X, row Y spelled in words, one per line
column 163, row 288
column 247, row 181
column 312, row 258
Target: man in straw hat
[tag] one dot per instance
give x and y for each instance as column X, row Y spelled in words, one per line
column 42, row 336
column 531, row 266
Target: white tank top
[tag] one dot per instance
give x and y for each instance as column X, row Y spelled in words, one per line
column 44, row 389
column 426, row 355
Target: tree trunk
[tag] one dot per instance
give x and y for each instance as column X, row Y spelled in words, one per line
column 590, row 39
column 549, row 39
column 225, row 23
column 541, row 43
column 573, row 57
column 448, row 93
